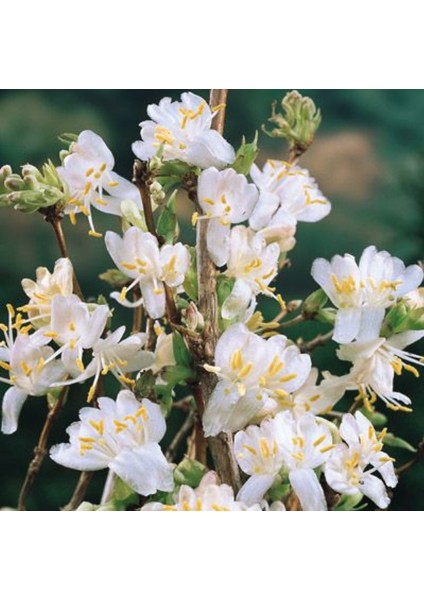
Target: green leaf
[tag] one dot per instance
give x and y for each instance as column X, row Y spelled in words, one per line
column 349, row 502
column 397, row 442
column 165, row 395
column 178, row 374
column 224, row 287
column 167, row 225
column 181, row 353
column 189, row 472
column 190, row 280
column 246, row 156
column 376, row 418
column 114, row 277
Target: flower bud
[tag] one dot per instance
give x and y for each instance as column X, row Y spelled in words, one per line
column 314, row 303
column 14, row 183
column 193, row 318
column 189, row 472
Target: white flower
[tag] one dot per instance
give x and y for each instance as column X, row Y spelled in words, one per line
column 44, row 288
column 225, row 198
column 415, row 299
column 252, row 373
column 257, row 451
column 317, row 399
column 345, row 469
column 122, row 436
column 30, row 370
column 164, row 350
column 207, row 496
column 74, row 328
column 253, row 265
column 88, row 172
column 362, row 293
column 117, row 356
column 287, row 195
column 137, row 255
column 375, row 363
column 305, row 444
column 184, row 130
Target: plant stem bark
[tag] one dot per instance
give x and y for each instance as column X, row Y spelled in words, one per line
column 221, row 446
column 41, row 449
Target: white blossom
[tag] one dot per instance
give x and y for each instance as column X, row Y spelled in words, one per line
column 225, row 198
column 253, row 264
column 345, row 470
column 88, row 172
column 376, row 362
column 139, row 257
column 123, row 436
column 183, row 130
column 209, row 495
column 363, row 292
column 288, row 194
column 252, row 372
column 30, row 369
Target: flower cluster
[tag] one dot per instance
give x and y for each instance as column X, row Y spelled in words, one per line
column 198, row 344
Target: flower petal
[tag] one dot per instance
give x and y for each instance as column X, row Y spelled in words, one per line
column 13, row 401
column 255, row 489
column 308, row 489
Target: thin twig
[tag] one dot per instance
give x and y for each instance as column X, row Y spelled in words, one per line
column 183, row 431
column 40, row 450
column 411, row 463
column 56, row 223
column 298, row 319
column 108, row 487
column 319, row 340
column 139, row 179
column 80, row 491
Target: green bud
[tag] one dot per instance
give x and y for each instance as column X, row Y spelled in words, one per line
column 31, row 182
column 133, row 215
column 189, row 472
column 14, row 183
column 145, row 383
column 326, row 315
column 30, row 170
column 397, row 442
column 181, row 353
column 314, row 303
column 167, row 225
column 178, row 374
column 224, row 288
column 297, row 123
column 246, row 156
column 193, row 318
column 114, row 277
column 5, row 171
column 376, row 418
column 190, row 281
column 349, row 502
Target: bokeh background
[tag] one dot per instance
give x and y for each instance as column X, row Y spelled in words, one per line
column 368, row 159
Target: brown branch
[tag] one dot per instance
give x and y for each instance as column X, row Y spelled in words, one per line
column 80, row 491
column 319, row 340
column 220, row 446
column 56, row 223
column 411, row 463
column 179, row 436
column 139, row 179
column 40, row 450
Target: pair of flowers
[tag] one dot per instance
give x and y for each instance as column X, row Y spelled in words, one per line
column 302, row 447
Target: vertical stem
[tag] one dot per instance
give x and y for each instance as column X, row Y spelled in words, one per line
column 41, row 449
column 80, row 491
column 221, row 446
column 56, row 223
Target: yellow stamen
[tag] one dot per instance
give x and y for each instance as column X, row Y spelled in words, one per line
column 119, row 426
column 126, row 380
column 319, row 440
column 99, row 426
column 245, row 370
column 236, row 360
column 113, row 183
column 327, row 448
column 80, row 364
column 95, row 234
column 265, row 449
column 128, row 266
column 411, row 369
column 250, row 449
column 288, row 377
column 25, row 368
column 89, row 172
column 87, row 188
column 90, row 396
column 5, row 366
column 194, row 218
column 123, row 294
column 40, row 365
column 275, row 366
column 72, row 217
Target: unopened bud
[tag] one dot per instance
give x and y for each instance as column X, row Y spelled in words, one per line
column 5, row 171
column 193, row 318
column 31, row 171
column 189, row 472
column 314, row 303
column 14, row 183
column 31, row 182
column 155, row 163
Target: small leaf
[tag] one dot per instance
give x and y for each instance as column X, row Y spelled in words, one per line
column 165, row 395
column 397, row 442
column 178, row 374
column 376, row 418
column 181, row 353
column 167, row 225
column 246, row 156
column 350, row 502
column 190, row 280
column 189, row 472
column 114, row 277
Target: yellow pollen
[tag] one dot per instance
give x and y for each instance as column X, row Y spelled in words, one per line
column 101, row 202
column 265, row 449
column 199, row 504
column 244, row 372
column 382, row 434
column 25, row 368
column 282, row 394
column 123, row 294
column 327, row 448
column 397, row 366
column 215, row 506
column 411, row 369
column 370, row 432
column 87, row 440
column 80, row 364
column 128, row 266
column 185, row 505
column 250, row 449
column 158, row 291
column 194, row 218
column 275, row 367
column 218, row 107
column 131, row 418
column 280, row 301
column 72, row 326
column 10, row 310
column 126, row 380
column 103, row 167
column 90, row 396
column 89, row 172
column 209, row 201
column 236, row 360
column 98, row 426
column 262, row 381
column 40, row 365
column 315, row 398
column 288, row 377
column 309, row 200
column 87, row 188
column 319, row 440
column 72, row 217
column 163, row 135
column 85, row 211
column 346, row 285
column 95, row 234
column 299, row 441
column 142, row 412
column 298, row 455
column 5, row 366
column 386, row 459
column 241, row 388
column 119, row 426
column 113, row 183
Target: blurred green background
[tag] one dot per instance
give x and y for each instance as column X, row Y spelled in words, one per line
column 368, row 159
